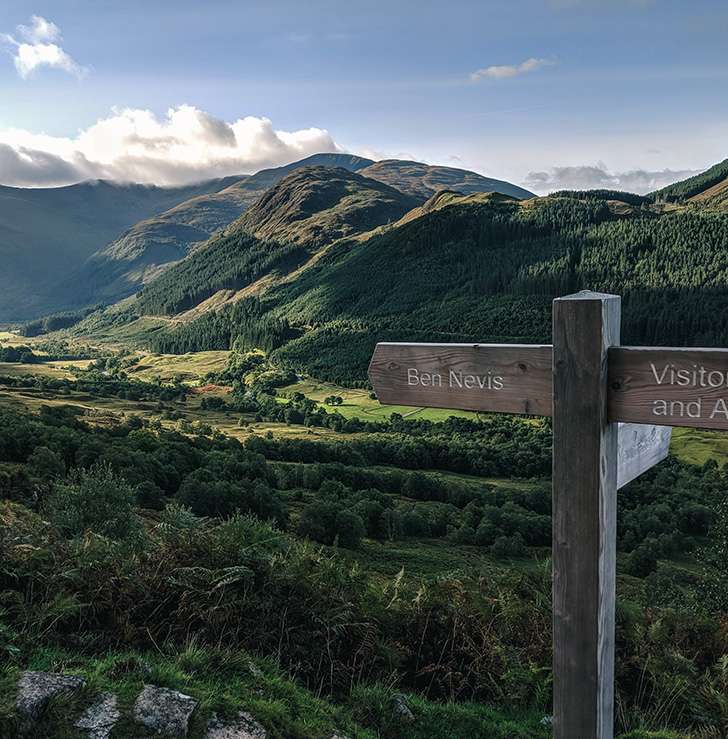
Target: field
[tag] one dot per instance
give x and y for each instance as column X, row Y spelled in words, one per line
column 444, row 553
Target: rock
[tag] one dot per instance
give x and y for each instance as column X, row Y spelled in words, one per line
column 244, row 727
column 401, row 709
column 547, row 720
column 35, row 688
column 254, row 669
column 100, row 717
column 338, row 735
column 164, row 710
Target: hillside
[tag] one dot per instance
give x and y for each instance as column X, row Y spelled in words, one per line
column 46, row 234
column 66, row 249
column 423, row 181
column 147, row 249
column 709, row 187
column 307, row 210
column 460, row 267
column 317, row 205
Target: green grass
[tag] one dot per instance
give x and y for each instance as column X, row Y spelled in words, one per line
column 191, row 367
column 358, row 404
column 228, row 682
column 697, row 446
column 60, row 369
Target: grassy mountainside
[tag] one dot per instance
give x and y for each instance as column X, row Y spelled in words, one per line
column 711, row 185
column 484, row 268
column 318, row 205
column 147, row 249
column 92, row 258
column 306, row 211
column 47, row 234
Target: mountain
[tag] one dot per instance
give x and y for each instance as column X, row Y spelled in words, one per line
column 111, row 258
column 709, row 187
column 424, row 181
column 318, row 205
column 47, row 233
column 300, row 276
column 304, row 213
column 147, row 249
column 152, row 245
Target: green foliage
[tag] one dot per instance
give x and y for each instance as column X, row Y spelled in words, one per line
column 712, row 591
column 21, row 354
column 57, row 321
column 680, row 191
column 227, row 262
column 95, row 500
column 486, row 270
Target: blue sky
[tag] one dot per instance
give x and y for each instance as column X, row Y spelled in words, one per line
column 543, row 93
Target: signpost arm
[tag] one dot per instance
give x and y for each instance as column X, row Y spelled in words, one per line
column 584, row 516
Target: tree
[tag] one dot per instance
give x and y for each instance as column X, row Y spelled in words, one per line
column 349, row 528
column 95, row 500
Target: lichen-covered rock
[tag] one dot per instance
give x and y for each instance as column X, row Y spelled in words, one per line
column 165, row 710
column 338, row 735
column 35, row 688
column 400, row 708
column 100, row 717
column 244, row 727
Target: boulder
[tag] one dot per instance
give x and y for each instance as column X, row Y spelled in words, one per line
column 244, row 727
column 100, row 717
column 35, row 688
column 400, row 708
column 164, row 710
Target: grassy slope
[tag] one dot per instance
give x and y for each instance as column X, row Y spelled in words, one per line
column 155, row 243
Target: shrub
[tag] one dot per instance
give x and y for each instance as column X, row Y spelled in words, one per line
column 94, row 499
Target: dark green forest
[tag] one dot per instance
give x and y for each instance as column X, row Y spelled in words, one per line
column 478, row 270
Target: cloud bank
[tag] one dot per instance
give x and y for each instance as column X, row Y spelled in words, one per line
column 530, row 65
column 132, row 145
column 35, row 48
column 593, row 177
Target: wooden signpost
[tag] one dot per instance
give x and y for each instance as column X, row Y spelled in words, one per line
column 612, row 410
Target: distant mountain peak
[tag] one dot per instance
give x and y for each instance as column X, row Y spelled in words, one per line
column 424, row 180
column 319, row 204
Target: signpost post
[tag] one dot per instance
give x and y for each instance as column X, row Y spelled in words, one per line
column 600, row 395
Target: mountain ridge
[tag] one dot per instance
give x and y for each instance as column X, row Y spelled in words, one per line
column 105, row 264
column 477, row 267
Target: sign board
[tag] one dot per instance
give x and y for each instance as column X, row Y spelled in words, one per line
column 612, row 409
column 494, row 378
column 640, row 447
column 508, row 378
column 674, row 387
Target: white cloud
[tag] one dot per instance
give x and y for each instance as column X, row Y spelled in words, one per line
column 530, row 65
column 379, row 155
column 593, row 177
column 34, row 48
column 187, row 145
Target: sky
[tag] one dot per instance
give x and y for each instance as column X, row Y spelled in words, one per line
column 547, row 94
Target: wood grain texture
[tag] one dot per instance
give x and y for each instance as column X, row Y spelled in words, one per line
column 640, row 447
column 584, row 516
column 672, row 387
column 497, row 378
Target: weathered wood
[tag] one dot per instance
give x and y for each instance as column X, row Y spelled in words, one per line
column 500, row 378
column 584, row 516
column 640, row 447
column 673, row 387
